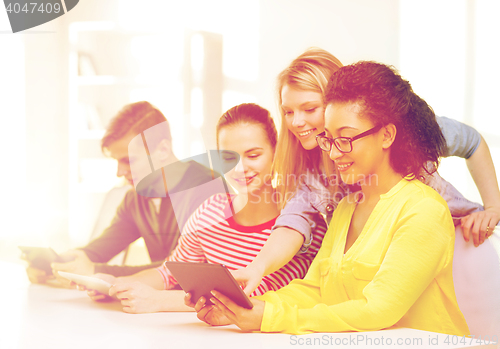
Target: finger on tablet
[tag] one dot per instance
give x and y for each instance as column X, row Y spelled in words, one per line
column 97, row 296
column 202, row 314
column 121, row 287
column 200, row 304
column 80, row 287
column 123, row 295
column 187, row 300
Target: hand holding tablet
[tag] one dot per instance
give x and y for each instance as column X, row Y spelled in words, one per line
column 42, row 257
column 90, row 282
column 199, row 279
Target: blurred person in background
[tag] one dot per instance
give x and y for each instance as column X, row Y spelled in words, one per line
column 225, row 229
column 147, row 209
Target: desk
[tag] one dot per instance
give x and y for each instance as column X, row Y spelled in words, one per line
column 41, row 316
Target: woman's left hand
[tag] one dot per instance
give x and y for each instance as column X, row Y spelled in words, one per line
column 137, row 297
column 480, row 225
column 246, row 319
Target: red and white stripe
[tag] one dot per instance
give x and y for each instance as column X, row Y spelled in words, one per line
column 210, row 237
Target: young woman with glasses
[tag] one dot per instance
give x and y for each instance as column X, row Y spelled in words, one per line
column 375, row 268
column 343, row 144
column 308, row 186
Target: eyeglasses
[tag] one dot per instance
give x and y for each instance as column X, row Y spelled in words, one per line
column 343, row 144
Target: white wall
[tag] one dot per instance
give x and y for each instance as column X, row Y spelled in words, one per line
column 37, row 204
column 449, row 54
column 429, row 41
column 351, row 30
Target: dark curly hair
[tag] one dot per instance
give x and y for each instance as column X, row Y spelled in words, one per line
column 385, row 97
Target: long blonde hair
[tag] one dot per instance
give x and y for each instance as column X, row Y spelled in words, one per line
column 309, row 72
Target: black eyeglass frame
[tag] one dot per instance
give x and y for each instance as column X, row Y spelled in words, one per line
column 332, row 141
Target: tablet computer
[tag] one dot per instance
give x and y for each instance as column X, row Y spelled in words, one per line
column 90, row 282
column 41, row 257
column 201, row 278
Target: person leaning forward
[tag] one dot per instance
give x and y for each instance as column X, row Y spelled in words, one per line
column 157, row 206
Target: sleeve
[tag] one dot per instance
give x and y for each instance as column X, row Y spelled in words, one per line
column 306, row 290
column 188, row 249
column 461, row 139
column 409, row 266
column 121, row 232
column 299, row 215
column 123, row 270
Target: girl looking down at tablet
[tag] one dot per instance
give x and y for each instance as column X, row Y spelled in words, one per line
column 306, row 186
column 231, row 230
column 225, row 229
column 386, row 259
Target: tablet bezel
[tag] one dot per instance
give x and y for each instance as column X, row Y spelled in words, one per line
column 200, row 278
column 90, row 282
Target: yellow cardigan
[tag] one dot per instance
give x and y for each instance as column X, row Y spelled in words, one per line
column 397, row 273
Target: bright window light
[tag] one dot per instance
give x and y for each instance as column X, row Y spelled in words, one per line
column 197, row 52
column 433, row 56
column 233, row 98
column 486, row 87
column 13, row 138
column 196, row 107
column 197, row 148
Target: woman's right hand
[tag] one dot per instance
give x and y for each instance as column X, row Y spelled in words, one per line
column 95, row 295
column 207, row 313
column 248, row 278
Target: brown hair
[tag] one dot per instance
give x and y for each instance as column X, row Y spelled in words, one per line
column 249, row 113
column 136, row 117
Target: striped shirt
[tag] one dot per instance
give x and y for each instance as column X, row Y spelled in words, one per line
column 212, row 236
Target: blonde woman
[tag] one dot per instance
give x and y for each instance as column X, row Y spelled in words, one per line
column 375, row 269
column 307, row 186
